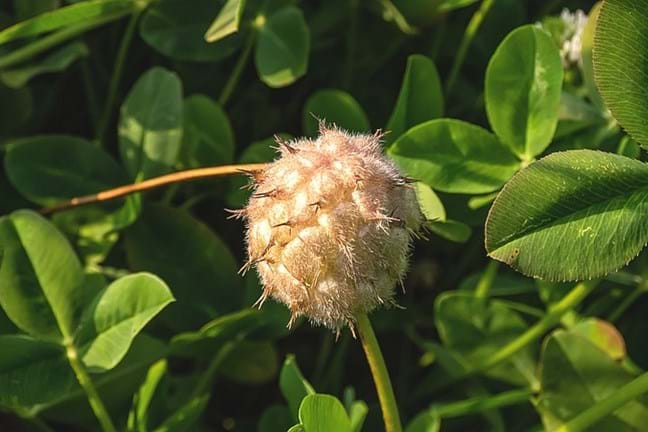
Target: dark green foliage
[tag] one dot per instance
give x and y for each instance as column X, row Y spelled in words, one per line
column 524, row 159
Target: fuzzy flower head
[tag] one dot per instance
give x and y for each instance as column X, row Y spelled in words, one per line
column 329, row 227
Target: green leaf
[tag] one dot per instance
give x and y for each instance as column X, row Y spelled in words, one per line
column 40, row 277
column 333, row 107
column 454, row 156
column 225, row 327
column 629, row 148
column 191, row 259
column 116, row 316
column 186, row 416
column 145, row 402
column 476, row 328
column 572, row 215
column 207, row 138
column 424, row 422
column 251, row 363
column 575, row 374
column 50, row 169
column 293, row 385
column 32, row 372
column 523, row 84
column 116, row 387
column 177, row 31
column 451, row 230
column 602, row 334
column 323, row 413
column 576, row 114
column 434, row 212
column 587, row 45
column 429, row 202
column 420, row 98
column 92, row 10
column 150, row 124
column 620, row 69
column 24, row 9
column 227, row 21
column 57, row 61
column 281, row 53
column 275, row 418
column 357, row 415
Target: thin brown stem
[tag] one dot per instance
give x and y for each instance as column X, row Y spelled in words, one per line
column 152, row 183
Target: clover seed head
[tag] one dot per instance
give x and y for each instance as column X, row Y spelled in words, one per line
column 329, row 227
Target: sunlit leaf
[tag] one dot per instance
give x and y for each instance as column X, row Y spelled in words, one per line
column 92, row 10
column 523, row 83
column 454, row 156
column 117, row 315
column 177, row 31
column 572, row 215
column 333, row 107
column 40, row 277
column 621, row 72
column 420, row 98
column 150, row 124
column 282, row 48
column 227, row 21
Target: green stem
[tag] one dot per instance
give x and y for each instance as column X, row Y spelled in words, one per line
column 380, row 374
column 207, row 377
column 550, row 320
column 572, row 299
column 607, row 406
column 481, row 403
column 117, row 74
column 235, row 76
column 486, row 280
column 87, row 385
column 468, row 36
column 627, row 301
column 30, row 50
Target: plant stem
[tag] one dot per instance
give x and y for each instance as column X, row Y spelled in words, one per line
column 572, row 299
column 86, row 383
column 235, row 76
column 117, row 74
column 155, row 182
column 627, row 301
column 207, row 377
column 481, row 403
column 47, row 42
column 380, row 375
column 486, row 280
column 466, row 40
column 607, row 406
